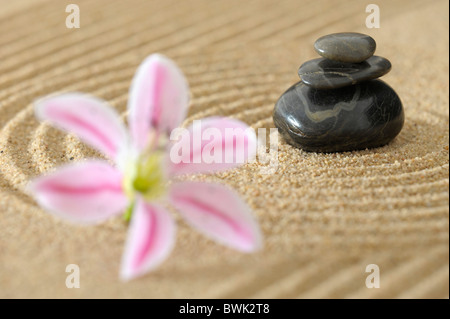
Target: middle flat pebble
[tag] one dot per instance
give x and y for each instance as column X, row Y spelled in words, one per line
column 328, row 74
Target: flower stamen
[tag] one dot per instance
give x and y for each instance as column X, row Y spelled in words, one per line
column 146, row 177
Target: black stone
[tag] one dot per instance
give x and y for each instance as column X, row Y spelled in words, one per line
column 366, row 115
column 327, row 74
column 346, row 47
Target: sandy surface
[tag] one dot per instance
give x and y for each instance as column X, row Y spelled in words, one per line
column 324, row 216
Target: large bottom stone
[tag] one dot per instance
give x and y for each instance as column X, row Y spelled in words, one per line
column 365, row 115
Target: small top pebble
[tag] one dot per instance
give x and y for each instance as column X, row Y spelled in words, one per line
column 346, row 47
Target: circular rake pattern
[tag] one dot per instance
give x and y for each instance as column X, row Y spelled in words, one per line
column 385, row 201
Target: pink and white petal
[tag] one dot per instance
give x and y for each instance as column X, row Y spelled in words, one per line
column 89, row 118
column 151, row 237
column 158, row 101
column 212, row 144
column 218, row 212
column 86, row 193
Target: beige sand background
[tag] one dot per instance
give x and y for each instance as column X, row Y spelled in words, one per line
column 324, row 216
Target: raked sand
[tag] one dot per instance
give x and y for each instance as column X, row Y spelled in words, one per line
column 325, row 217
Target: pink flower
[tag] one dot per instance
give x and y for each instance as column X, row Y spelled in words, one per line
column 92, row 191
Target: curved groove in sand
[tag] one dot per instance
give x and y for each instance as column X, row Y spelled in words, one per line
column 373, row 205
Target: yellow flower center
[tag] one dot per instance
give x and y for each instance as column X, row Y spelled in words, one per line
column 146, row 177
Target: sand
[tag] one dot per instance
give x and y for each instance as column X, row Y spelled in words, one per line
column 325, row 217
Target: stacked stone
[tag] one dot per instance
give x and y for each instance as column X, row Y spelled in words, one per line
column 339, row 105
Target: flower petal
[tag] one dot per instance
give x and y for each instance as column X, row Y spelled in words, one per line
column 212, row 144
column 218, row 212
column 89, row 118
column 87, row 192
column 159, row 98
column 151, row 236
